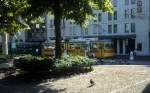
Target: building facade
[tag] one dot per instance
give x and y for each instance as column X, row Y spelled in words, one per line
column 128, row 27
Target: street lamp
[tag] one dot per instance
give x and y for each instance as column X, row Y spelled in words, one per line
column 37, row 26
column 66, row 45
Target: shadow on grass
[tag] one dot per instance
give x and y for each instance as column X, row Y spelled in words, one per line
column 146, row 89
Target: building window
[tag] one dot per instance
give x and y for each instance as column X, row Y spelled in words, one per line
column 115, row 3
column 133, row 27
column 127, row 15
column 82, row 31
column 115, row 15
column 109, row 16
column 52, row 33
column 139, row 7
column 99, row 17
column 109, row 28
column 70, row 31
column 127, row 26
column 126, row 2
column 51, row 23
column 95, row 20
column 86, row 31
column 139, row 46
column 133, row 1
column 74, row 30
column 63, row 23
column 95, row 28
column 115, row 28
column 133, row 13
column 99, row 29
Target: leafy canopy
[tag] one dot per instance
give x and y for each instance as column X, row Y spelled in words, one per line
column 11, row 15
column 78, row 10
column 12, row 12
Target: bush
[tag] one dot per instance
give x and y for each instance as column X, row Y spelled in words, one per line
column 67, row 65
column 5, row 58
column 72, row 64
column 33, row 64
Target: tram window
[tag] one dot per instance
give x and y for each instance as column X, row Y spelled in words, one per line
column 45, row 47
column 95, row 46
column 85, row 46
column 100, row 46
column 108, row 45
column 77, row 47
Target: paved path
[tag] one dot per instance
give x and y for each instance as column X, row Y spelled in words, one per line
column 107, row 78
column 139, row 62
column 128, row 62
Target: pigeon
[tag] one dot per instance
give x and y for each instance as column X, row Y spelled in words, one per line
column 92, row 82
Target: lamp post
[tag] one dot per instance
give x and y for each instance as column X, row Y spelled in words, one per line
column 66, row 45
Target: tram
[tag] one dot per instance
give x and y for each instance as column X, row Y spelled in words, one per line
column 101, row 48
column 96, row 48
column 47, row 49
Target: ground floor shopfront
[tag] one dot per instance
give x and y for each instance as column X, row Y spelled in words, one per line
column 123, row 45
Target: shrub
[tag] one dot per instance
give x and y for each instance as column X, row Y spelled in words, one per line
column 5, row 58
column 67, row 65
column 33, row 64
column 72, row 64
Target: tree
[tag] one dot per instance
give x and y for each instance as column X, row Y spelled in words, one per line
column 78, row 10
column 11, row 19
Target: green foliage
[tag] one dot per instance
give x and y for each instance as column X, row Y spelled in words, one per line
column 80, row 11
column 33, row 64
column 65, row 66
column 11, row 15
column 68, row 61
column 5, row 58
column 73, row 64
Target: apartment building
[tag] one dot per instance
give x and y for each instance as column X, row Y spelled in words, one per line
column 128, row 27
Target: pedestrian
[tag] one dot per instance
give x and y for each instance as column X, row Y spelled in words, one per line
column 93, row 55
column 131, row 55
column 37, row 51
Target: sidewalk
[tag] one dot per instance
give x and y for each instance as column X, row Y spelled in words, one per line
column 139, row 62
column 128, row 62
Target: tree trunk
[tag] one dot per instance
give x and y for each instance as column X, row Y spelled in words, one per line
column 57, row 23
column 5, row 43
